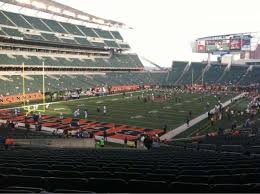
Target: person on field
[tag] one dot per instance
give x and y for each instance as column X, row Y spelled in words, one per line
column 86, row 113
column 104, row 110
column 188, row 122
column 61, row 115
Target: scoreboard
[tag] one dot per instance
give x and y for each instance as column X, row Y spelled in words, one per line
column 225, row 43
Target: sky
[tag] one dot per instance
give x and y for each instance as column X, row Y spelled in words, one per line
column 164, row 29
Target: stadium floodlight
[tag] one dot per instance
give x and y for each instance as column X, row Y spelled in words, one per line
column 24, row 1
column 39, row 4
column 69, row 13
column 54, row 9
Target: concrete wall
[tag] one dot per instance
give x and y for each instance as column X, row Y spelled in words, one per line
column 58, row 143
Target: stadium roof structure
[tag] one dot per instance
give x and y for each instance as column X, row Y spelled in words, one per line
column 53, row 7
column 226, row 35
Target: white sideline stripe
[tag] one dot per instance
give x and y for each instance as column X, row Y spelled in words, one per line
column 194, row 121
column 73, row 100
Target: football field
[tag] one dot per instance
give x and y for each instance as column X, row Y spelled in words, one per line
column 131, row 110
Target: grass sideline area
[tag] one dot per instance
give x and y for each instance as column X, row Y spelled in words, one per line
column 203, row 127
column 130, row 110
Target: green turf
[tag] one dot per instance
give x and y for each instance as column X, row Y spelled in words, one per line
column 131, row 111
column 204, row 127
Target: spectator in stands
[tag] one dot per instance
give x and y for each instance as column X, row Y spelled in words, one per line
column 7, row 124
column 39, row 127
column 2, row 142
column 136, row 144
column 102, row 142
column 234, row 125
column 12, row 125
column 125, row 141
column 27, row 126
column 66, row 132
column 148, row 142
column 36, row 126
column 35, row 117
column 98, row 109
column 105, row 135
column 247, row 123
column 9, row 142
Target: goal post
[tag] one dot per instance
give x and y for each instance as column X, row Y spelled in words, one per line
column 34, row 108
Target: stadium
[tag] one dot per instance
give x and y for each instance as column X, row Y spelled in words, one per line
column 81, row 113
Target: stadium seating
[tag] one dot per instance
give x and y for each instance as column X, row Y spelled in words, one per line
column 252, row 77
column 15, row 25
column 117, row 60
column 233, row 75
column 50, row 37
column 87, row 31
column 103, row 33
column 14, row 83
column 193, row 74
column 12, row 32
column 117, row 35
column 55, row 26
column 158, row 170
column 216, row 73
column 176, row 71
column 212, row 75
column 17, row 19
column 4, row 20
column 37, row 23
column 72, row 29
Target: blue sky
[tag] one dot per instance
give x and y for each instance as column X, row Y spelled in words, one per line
column 163, row 29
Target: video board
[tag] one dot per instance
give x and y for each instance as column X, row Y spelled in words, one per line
column 226, row 43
